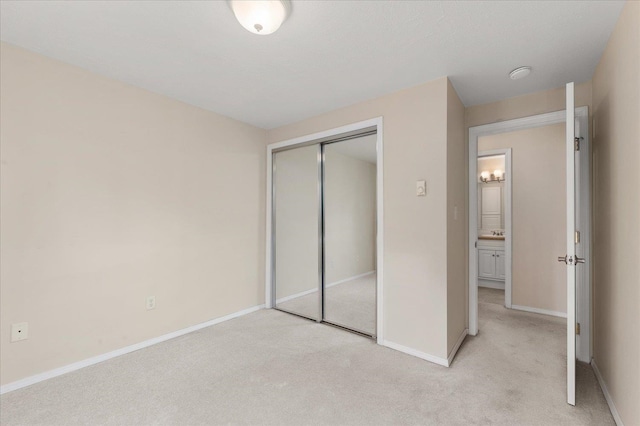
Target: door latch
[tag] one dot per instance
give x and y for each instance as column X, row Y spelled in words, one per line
column 568, row 260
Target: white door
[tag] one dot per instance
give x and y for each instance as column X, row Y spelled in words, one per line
column 486, row 263
column 570, row 258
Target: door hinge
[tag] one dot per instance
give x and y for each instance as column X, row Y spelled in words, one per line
column 577, row 237
column 577, row 143
column 577, row 328
column 476, row 244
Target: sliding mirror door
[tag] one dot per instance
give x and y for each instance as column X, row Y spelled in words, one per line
column 349, row 207
column 296, row 224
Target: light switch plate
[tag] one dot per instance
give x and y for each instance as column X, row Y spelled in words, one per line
column 19, row 331
column 151, row 302
column 421, row 188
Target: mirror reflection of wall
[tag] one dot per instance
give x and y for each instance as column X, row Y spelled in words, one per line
column 350, row 233
column 491, row 170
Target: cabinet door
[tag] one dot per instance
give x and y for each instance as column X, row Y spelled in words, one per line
column 500, row 271
column 486, row 263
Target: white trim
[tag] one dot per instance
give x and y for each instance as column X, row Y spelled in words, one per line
column 9, row 387
column 607, row 395
column 422, row 355
column 355, row 277
column 539, row 311
column 584, row 303
column 296, row 295
column 455, row 348
column 315, row 290
column 378, row 123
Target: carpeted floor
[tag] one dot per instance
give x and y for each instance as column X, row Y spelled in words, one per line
column 351, row 304
column 273, row 368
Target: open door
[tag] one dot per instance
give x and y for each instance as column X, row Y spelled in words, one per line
column 570, row 258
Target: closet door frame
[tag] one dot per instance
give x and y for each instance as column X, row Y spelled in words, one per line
column 318, row 138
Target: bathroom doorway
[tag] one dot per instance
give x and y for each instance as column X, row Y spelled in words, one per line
column 567, row 202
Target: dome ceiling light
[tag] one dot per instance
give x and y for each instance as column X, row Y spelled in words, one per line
column 261, row 16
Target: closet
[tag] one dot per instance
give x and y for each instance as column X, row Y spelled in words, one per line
column 324, row 231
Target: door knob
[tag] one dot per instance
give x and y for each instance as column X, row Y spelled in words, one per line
column 579, row 260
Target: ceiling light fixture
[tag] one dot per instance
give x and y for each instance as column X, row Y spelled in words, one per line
column 261, row 16
column 519, row 73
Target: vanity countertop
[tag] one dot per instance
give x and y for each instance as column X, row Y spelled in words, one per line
column 491, row 237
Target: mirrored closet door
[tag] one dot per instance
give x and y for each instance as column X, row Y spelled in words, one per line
column 324, row 231
column 349, row 194
column 297, row 231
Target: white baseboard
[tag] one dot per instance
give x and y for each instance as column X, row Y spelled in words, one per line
column 427, row 357
column 295, row 296
column 455, row 348
column 100, row 358
column 539, row 311
column 315, row 290
column 607, row 395
column 499, row 285
column 355, row 277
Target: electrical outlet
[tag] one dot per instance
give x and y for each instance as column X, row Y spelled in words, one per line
column 151, row 302
column 19, row 331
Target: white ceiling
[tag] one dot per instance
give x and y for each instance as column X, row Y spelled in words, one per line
column 327, row 55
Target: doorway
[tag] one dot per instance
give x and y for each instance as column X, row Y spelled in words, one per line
column 324, row 227
column 582, row 218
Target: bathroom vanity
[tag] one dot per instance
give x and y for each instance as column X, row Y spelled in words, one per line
column 491, row 261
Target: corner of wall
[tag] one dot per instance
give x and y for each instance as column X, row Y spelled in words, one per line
column 456, row 211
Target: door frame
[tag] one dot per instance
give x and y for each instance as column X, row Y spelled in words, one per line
column 376, row 122
column 583, row 300
column 507, row 216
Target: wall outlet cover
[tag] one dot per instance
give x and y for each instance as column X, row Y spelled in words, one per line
column 19, row 331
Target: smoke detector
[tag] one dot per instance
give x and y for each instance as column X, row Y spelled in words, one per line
column 520, row 72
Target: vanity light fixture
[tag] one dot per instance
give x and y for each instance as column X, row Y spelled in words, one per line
column 496, row 176
column 261, row 16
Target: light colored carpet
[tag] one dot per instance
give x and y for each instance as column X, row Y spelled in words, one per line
column 273, row 368
column 351, row 304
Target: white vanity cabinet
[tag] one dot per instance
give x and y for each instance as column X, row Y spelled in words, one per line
column 491, row 263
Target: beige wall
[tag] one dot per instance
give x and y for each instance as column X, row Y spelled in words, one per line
column 616, row 155
column 415, row 250
column 538, row 214
column 350, row 215
column 109, row 194
column 457, row 236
